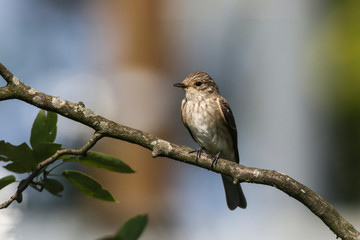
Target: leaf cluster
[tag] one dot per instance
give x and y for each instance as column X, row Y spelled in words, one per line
column 24, row 159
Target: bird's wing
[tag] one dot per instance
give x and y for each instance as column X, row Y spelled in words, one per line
column 228, row 117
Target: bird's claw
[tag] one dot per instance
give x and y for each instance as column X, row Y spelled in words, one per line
column 215, row 160
column 198, row 153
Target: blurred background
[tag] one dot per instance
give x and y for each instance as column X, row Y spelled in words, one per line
column 289, row 69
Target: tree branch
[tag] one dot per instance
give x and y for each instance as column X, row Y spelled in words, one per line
column 27, row 181
column 15, row 89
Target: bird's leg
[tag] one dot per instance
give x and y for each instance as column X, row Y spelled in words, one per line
column 215, row 160
column 198, row 152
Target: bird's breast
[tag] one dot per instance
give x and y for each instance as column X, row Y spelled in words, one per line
column 204, row 121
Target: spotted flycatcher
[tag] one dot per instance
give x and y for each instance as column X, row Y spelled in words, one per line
column 209, row 119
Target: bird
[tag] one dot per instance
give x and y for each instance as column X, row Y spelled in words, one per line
column 210, row 121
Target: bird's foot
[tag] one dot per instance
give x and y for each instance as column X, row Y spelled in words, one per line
column 198, row 153
column 215, row 160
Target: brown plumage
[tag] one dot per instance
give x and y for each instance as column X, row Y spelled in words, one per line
column 210, row 121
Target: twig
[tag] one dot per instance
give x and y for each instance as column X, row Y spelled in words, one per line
column 27, row 181
column 15, row 89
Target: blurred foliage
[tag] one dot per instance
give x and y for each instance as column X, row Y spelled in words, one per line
column 131, row 230
column 6, row 181
column 336, row 61
column 340, row 45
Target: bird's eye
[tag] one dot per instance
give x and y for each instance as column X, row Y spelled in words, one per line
column 198, row 83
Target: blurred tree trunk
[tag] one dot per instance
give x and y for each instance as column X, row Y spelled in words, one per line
column 135, row 45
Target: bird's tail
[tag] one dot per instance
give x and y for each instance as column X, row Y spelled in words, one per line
column 234, row 194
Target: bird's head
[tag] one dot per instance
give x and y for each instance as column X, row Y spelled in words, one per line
column 198, row 84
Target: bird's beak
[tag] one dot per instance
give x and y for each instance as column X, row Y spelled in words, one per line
column 180, row 85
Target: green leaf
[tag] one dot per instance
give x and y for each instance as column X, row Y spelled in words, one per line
column 53, row 186
column 21, row 156
column 101, row 160
column 43, row 129
column 44, row 150
column 43, row 134
column 131, row 230
column 88, row 185
column 6, row 181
